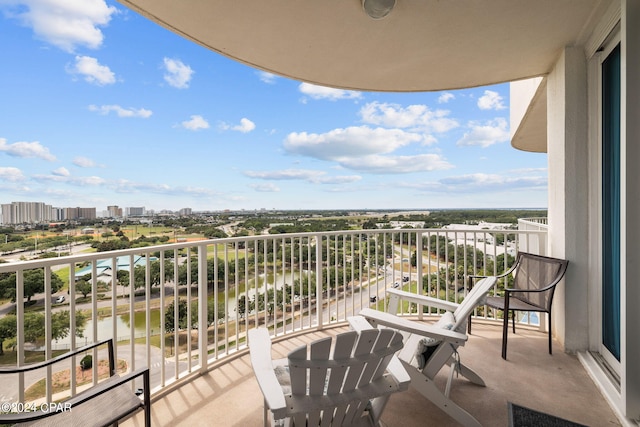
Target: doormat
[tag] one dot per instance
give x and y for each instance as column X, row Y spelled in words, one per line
column 519, row 416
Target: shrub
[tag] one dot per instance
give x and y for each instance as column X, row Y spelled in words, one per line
column 86, row 362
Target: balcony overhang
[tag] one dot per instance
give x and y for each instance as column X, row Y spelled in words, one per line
column 529, row 121
column 422, row 45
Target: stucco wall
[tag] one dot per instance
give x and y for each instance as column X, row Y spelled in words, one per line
column 568, row 193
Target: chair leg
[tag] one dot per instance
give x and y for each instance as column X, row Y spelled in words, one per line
column 505, row 331
column 513, row 320
column 549, row 316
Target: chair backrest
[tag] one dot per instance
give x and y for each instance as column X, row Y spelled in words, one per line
column 332, row 385
column 537, row 273
column 474, row 298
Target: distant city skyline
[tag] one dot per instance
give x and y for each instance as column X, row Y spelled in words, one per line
column 106, row 108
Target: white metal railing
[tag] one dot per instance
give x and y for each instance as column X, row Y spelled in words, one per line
column 534, row 224
column 286, row 282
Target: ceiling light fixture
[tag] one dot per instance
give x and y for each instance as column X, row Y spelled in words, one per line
column 378, row 9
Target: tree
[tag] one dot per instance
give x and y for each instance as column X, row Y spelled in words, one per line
column 33, row 284
column 8, row 329
column 84, row 287
column 34, row 325
column 242, row 306
column 169, row 314
column 170, row 318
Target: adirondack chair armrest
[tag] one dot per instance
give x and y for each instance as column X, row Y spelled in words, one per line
column 423, row 300
column 389, row 320
column 264, row 371
column 499, row 276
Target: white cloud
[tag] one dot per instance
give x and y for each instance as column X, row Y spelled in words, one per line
column 83, row 162
column 491, row 101
column 26, row 150
column 411, row 117
column 492, row 132
column 66, row 24
column 11, row 174
column 349, row 142
column 312, row 176
column 366, row 150
column 267, row 77
column 125, row 186
column 92, row 71
column 397, row 164
column 177, row 73
column 445, row 97
column 322, row 92
column 494, row 182
column 196, row 123
column 61, row 171
column 81, row 181
column 484, row 183
column 121, row 112
column 342, row 179
column 266, row 187
column 245, row 126
column 286, row 174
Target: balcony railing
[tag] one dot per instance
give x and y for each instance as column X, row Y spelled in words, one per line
column 287, row 283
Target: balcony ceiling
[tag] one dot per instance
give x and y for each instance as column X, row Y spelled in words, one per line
column 423, row 45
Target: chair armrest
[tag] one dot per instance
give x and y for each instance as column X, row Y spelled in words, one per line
column 424, row 300
column 260, row 352
column 395, row 322
column 38, row 365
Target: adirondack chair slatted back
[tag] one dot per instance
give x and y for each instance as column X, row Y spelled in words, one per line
column 536, row 272
column 331, row 387
column 473, row 299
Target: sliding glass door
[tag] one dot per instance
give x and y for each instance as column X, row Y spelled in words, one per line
column 611, row 206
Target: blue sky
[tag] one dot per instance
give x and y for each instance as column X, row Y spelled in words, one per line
column 102, row 107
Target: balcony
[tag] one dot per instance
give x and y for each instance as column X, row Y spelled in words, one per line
column 300, row 286
column 555, row 384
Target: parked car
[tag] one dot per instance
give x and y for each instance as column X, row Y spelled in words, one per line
column 60, row 299
column 405, row 279
column 396, row 284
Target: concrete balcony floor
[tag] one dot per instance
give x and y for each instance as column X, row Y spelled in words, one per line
column 556, row 384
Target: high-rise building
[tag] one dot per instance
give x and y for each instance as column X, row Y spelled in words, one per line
column 80, row 213
column 26, row 213
column 114, row 211
column 135, row 211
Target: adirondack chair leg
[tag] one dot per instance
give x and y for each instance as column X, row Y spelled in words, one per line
column 265, row 414
column 428, row 388
column 471, row 375
column 447, row 389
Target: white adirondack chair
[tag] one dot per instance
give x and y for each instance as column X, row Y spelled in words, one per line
column 430, row 347
column 344, row 384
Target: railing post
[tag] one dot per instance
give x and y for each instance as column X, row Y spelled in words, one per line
column 419, row 289
column 202, row 307
column 20, row 331
column 319, row 281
